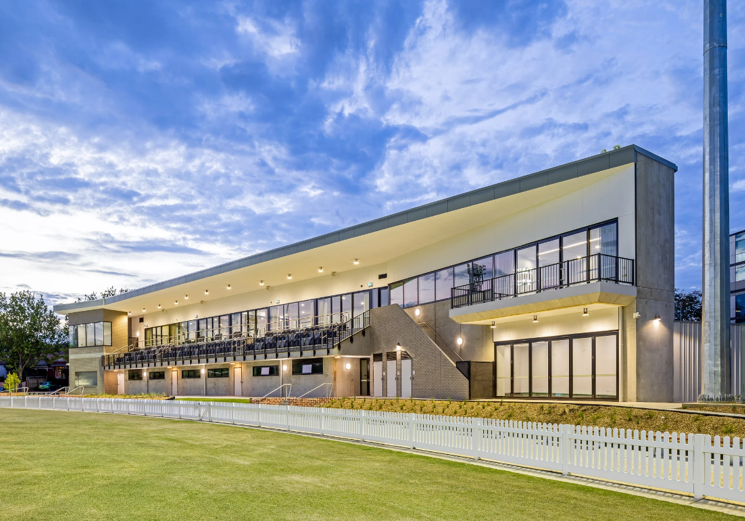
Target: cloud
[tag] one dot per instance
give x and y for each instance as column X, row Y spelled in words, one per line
column 155, row 139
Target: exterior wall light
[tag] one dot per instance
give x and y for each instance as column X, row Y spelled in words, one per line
column 289, row 276
column 493, row 324
column 585, row 313
column 320, row 269
column 202, row 370
column 417, row 311
column 261, row 283
column 535, row 319
column 158, row 306
column 657, row 319
column 228, row 286
column 206, row 292
column 356, row 261
column 143, row 310
column 398, row 346
column 144, row 373
column 137, row 334
column 348, row 366
column 186, row 297
column 175, row 302
column 129, row 313
column 459, row 341
column 284, row 367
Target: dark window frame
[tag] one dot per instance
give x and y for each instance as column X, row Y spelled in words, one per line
column 315, row 363
column 273, row 370
column 189, row 374
column 218, row 372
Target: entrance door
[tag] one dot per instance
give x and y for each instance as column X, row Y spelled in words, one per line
column 406, row 376
column 390, row 374
column 237, row 380
column 378, row 375
column 120, row 383
column 364, row 377
column 174, row 383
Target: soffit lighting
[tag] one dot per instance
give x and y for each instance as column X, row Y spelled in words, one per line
column 320, row 269
column 175, row 302
column 143, row 310
column 289, row 276
column 493, row 325
column 186, row 297
column 585, row 313
column 206, row 292
column 129, row 313
column 228, row 286
column 158, row 306
column 356, row 261
column 535, row 318
column 261, row 283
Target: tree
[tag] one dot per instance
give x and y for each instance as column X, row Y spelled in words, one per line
column 12, row 382
column 688, row 305
column 108, row 292
column 29, row 331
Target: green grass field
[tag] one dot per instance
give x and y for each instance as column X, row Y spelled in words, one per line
column 60, row 465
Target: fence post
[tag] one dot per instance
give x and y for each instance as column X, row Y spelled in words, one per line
column 476, row 433
column 209, row 412
column 363, row 424
column 127, row 402
column 411, row 430
column 287, row 417
column 232, row 413
column 68, row 404
column 25, row 401
column 259, row 415
column 564, row 449
column 323, row 417
column 699, row 479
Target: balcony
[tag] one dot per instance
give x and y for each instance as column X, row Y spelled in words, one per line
column 578, row 281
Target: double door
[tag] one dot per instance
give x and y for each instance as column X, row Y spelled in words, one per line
column 577, row 367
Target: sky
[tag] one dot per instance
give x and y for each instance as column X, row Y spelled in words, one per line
column 142, row 140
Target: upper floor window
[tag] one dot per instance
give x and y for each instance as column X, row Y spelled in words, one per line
column 740, row 247
column 90, row 335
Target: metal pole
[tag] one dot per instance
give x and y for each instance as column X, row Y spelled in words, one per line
column 716, row 319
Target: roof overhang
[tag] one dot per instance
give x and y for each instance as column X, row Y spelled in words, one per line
column 374, row 242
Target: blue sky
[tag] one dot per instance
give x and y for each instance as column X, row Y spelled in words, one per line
column 141, row 140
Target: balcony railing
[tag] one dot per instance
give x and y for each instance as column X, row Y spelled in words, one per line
column 594, row 268
column 310, row 341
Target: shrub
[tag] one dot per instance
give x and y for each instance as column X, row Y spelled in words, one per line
column 12, row 382
column 728, row 429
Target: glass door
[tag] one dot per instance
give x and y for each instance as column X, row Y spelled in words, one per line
column 521, row 370
column 526, row 270
column 364, row 377
column 582, row 367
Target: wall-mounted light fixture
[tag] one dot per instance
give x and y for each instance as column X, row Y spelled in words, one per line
column 158, row 306
column 459, row 341
column 493, row 324
column 535, row 319
column 320, row 269
column 228, row 286
column 129, row 313
column 137, row 334
column 637, row 314
column 284, row 367
column 186, row 297
column 417, row 311
column 202, row 370
column 348, row 366
column 356, row 261
column 144, row 373
column 143, row 310
column 585, row 313
column 657, row 319
column 289, row 276
column 206, row 292
column 175, row 302
column 398, row 346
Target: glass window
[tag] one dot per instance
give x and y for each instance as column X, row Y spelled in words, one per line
column 309, row 366
column 461, row 275
column 574, row 246
column 397, row 293
column 604, row 239
column 305, row 310
column 560, row 367
column 265, row 370
column 86, row 378
column 375, row 299
column 605, row 367
column 157, row 375
column 361, row 302
column 98, row 332
column 291, row 315
column 548, row 261
column 72, row 335
column 261, row 320
column 336, row 309
column 223, row 372
column 148, row 337
column 526, row 274
column 346, row 307
column 504, row 263
column 483, row 268
column 739, row 272
column 411, row 293
column 192, row 327
column 740, row 247
column 740, row 307
column 276, row 318
column 202, row 328
column 539, row 366
column 237, row 326
column 443, row 283
column 134, row 375
column 504, row 371
column 225, row 326
column 190, row 373
column 582, row 368
column 107, row 333
column 426, row 288
column 521, row 374
column 90, row 335
column 384, row 300
column 81, row 335
column 324, row 311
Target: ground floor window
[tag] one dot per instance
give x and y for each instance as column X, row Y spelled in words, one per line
column 190, row 373
column 157, row 375
column 265, row 370
column 218, row 373
column 311, row 366
column 86, row 378
column 581, row 366
column 134, row 375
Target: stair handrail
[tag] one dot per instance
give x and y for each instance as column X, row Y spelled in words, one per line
column 425, row 324
column 277, row 389
column 328, row 395
column 70, row 391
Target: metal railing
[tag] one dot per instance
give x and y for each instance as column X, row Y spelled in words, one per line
column 329, row 390
column 583, row 270
column 289, row 392
column 312, row 341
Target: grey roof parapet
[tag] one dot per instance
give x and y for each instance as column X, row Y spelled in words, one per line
column 579, row 168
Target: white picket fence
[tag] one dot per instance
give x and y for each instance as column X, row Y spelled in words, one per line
column 691, row 464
